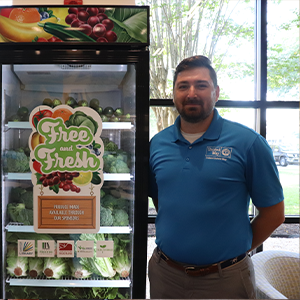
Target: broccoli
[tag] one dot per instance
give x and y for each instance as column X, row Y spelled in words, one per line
column 16, row 161
column 113, row 203
column 118, row 166
column 120, row 217
column 16, row 193
column 27, row 199
column 106, row 218
column 18, row 213
column 107, row 160
column 110, row 146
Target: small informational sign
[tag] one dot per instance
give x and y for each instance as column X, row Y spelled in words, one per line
column 105, row 249
column 26, row 248
column 67, row 169
column 65, row 248
column 46, row 248
column 85, row 248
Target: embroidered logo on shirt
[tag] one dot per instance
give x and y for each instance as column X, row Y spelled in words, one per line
column 218, row 152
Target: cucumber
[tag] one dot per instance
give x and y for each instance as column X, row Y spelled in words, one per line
column 66, row 33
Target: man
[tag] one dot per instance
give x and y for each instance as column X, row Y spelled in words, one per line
column 203, row 171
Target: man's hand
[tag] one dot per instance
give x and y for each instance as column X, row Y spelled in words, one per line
column 267, row 220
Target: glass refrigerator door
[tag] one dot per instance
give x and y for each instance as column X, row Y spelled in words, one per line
column 52, row 247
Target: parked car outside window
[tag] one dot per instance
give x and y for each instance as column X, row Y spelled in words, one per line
column 285, row 155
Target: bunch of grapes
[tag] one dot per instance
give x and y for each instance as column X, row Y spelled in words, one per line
column 64, row 180
column 93, row 22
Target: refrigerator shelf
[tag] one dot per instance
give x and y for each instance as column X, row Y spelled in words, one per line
column 17, row 227
column 105, row 125
column 69, row 282
column 107, row 176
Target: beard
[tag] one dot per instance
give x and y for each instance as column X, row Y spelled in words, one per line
column 195, row 114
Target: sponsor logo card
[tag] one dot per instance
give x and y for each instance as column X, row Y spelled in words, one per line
column 105, row 249
column 85, row 249
column 65, row 248
column 46, row 248
column 26, row 248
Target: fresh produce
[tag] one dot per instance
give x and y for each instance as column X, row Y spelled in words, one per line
column 56, row 102
column 19, row 213
column 24, row 32
column 121, row 260
column 120, row 217
column 114, row 211
column 23, row 112
column 118, row 112
column 77, row 270
column 106, row 217
column 48, row 102
column 79, row 118
column 35, row 266
column 108, row 111
column 20, row 195
column 56, row 267
column 16, row 161
column 98, row 265
column 37, row 166
column 17, row 266
column 111, row 202
column 115, row 160
column 29, row 292
column 62, row 32
column 40, row 115
column 71, row 102
column 94, row 103
column 93, row 22
column 36, row 139
column 59, row 180
column 83, row 103
column 21, row 115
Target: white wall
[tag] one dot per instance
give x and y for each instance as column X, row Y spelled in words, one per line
column 61, row 2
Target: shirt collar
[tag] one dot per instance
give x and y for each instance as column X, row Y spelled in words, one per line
column 212, row 133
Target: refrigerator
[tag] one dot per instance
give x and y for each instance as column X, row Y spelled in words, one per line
column 74, row 151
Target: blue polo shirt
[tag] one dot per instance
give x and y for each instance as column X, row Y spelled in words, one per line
column 204, row 188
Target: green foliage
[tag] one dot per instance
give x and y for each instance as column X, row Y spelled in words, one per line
column 106, row 218
column 56, row 267
column 79, row 118
column 17, row 212
column 35, row 266
column 120, row 217
column 16, row 161
column 101, row 266
column 17, row 266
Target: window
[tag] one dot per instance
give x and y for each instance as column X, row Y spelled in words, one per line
column 254, row 47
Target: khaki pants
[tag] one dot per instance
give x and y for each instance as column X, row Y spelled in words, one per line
column 235, row 282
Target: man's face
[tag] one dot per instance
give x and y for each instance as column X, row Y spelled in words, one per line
column 195, row 95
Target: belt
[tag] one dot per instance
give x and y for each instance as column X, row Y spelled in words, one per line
column 200, row 270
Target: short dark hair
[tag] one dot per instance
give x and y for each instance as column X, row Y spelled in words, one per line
column 197, row 61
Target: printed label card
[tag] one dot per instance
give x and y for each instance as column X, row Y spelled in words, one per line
column 67, row 169
column 65, row 248
column 85, row 249
column 26, row 248
column 46, row 248
column 105, row 249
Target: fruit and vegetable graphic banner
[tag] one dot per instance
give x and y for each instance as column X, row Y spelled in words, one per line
column 74, row 24
column 67, row 169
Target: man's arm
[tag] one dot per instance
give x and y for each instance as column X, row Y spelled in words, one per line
column 267, row 220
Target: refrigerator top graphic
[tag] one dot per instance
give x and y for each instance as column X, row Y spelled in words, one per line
column 106, row 25
column 74, row 151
